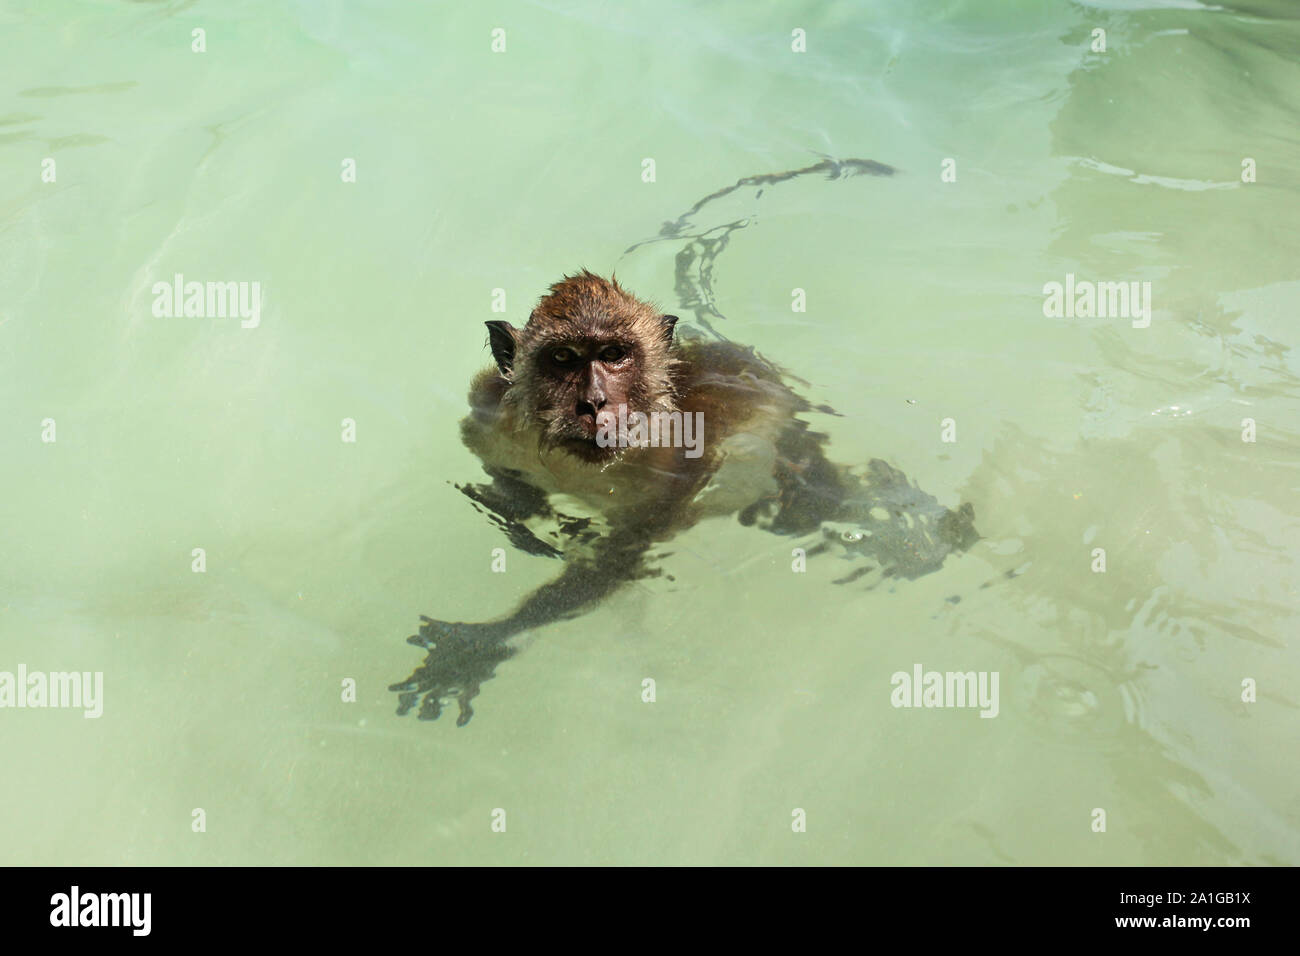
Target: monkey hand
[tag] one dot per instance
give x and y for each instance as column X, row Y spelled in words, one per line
column 461, row 657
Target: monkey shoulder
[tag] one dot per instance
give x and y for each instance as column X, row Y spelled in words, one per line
column 703, row 360
column 736, row 389
column 485, row 430
column 486, row 391
column 746, row 410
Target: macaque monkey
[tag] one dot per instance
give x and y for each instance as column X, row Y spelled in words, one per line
column 596, row 402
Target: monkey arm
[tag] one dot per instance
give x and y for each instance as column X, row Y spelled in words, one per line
column 616, row 559
column 461, row 656
column 509, row 502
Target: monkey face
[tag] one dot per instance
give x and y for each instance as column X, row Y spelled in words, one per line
column 588, row 351
column 581, row 382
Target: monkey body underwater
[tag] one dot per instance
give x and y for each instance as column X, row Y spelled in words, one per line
column 549, row 423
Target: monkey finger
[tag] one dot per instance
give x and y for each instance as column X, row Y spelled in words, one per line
column 466, row 711
column 431, row 707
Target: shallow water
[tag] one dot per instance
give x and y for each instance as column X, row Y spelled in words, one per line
column 476, row 171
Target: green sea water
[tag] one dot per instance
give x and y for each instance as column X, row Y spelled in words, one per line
column 389, row 171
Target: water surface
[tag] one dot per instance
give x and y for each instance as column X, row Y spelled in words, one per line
column 478, row 171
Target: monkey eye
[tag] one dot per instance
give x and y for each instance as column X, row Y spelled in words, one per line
column 613, row 353
column 563, row 356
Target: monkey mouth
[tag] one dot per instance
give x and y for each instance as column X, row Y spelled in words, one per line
column 587, row 448
column 577, row 436
column 582, row 446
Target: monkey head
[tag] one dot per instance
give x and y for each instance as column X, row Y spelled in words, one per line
column 588, row 348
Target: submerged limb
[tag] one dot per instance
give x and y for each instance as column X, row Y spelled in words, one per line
column 906, row 530
column 462, row 656
column 880, row 514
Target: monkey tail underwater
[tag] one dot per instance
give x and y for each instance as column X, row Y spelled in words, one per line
column 701, row 245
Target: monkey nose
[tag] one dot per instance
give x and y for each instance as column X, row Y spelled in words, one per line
column 605, row 419
column 587, row 416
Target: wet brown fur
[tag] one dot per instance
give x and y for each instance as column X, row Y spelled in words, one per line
column 532, row 426
column 518, row 423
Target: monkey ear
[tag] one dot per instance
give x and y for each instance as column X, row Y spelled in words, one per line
column 668, row 321
column 501, row 337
